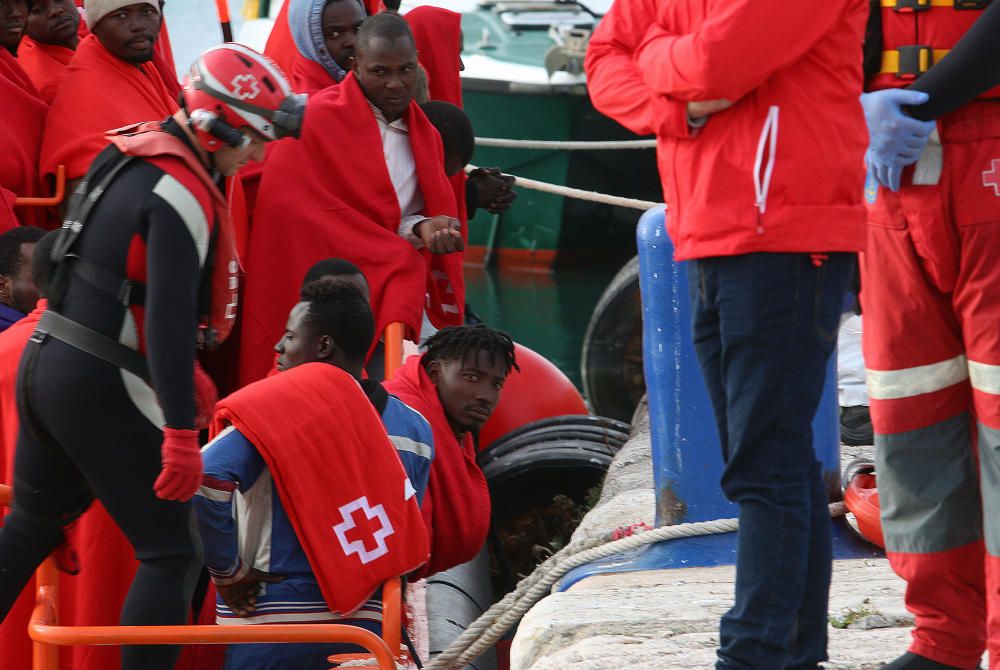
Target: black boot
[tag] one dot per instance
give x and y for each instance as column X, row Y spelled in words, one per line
column 911, row 661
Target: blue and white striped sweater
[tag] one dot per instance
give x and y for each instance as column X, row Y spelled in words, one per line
column 251, row 529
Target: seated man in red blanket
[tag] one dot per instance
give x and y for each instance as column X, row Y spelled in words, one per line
column 456, row 385
column 49, row 43
column 306, row 506
column 111, row 82
column 368, row 187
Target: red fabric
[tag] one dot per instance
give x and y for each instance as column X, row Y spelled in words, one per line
column 308, row 76
column 100, row 93
column 342, row 204
column 769, row 57
column 456, row 506
column 21, row 126
column 46, row 65
column 931, row 277
column 14, row 638
column 438, row 34
column 945, row 593
column 280, row 45
column 326, row 418
column 95, row 596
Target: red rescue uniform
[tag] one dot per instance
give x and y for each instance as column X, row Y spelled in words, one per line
column 931, row 287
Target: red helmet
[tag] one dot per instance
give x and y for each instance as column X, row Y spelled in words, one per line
column 231, row 86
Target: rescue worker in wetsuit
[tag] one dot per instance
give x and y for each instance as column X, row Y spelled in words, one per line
column 931, row 278
column 107, row 387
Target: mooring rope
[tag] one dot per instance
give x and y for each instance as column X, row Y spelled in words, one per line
column 492, row 624
column 564, row 145
column 578, row 193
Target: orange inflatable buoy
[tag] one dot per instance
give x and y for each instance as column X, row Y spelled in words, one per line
column 861, row 499
column 538, row 391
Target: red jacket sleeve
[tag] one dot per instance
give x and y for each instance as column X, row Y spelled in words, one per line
column 614, row 82
column 740, row 44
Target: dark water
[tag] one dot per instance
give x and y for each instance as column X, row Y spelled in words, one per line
column 545, row 312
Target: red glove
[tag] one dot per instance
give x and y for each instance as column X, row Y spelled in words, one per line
column 181, row 474
column 205, row 397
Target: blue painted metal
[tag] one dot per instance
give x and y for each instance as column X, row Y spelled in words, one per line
column 687, row 457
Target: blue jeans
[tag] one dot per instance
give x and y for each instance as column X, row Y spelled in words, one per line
column 764, row 327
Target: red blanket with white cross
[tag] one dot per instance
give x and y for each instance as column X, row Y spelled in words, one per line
column 338, row 476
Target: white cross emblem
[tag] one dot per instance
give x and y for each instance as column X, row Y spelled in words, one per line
column 251, row 90
column 358, row 546
column 990, row 177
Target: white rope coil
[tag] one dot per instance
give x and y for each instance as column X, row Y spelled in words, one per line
column 567, row 145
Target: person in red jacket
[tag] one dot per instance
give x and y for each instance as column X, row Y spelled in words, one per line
column 763, row 199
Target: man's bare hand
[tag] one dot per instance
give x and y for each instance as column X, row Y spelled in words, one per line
column 702, row 108
column 241, row 596
column 440, row 234
column 494, row 190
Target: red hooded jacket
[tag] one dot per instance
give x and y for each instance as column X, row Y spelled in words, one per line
column 782, row 170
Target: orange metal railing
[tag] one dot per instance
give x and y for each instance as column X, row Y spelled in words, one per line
column 48, row 635
column 393, row 340
column 56, row 198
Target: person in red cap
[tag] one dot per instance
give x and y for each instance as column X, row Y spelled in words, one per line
column 146, row 275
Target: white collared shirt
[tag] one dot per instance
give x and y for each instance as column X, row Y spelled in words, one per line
column 403, row 174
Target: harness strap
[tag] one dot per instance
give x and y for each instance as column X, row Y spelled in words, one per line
column 125, row 291
column 910, row 61
column 90, row 342
column 918, row 5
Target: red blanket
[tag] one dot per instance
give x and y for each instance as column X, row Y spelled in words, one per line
column 21, row 125
column 308, row 76
column 338, row 476
column 95, row 596
column 329, row 195
column 45, row 64
column 74, row 131
column 456, row 506
column 438, row 34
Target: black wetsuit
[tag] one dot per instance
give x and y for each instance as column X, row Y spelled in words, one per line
column 89, row 428
column 968, row 71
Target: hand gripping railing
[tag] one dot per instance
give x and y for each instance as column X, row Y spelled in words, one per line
column 48, row 635
column 56, row 198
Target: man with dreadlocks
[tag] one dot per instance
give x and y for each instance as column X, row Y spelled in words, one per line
column 456, row 385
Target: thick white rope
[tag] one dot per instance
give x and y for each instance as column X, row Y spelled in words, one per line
column 558, row 145
column 490, row 627
column 579, row 194
column 492, row 624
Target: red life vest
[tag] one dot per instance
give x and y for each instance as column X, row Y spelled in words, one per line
column 147, row 140
column 918, row 33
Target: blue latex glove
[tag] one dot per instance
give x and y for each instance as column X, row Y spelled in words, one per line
column 895, row 139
